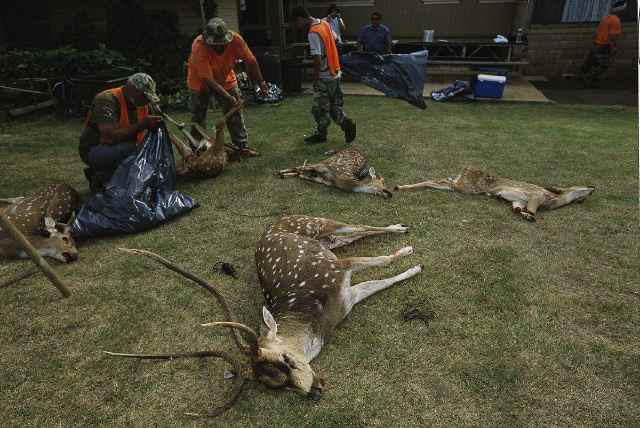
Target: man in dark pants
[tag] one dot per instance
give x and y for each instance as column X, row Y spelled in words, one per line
column 213, row 58
column 604, row 45
column 115, row 127
column 327, row 90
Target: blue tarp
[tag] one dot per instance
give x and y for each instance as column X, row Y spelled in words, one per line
column 139, row 195
column 399, row 76
column 459, row 87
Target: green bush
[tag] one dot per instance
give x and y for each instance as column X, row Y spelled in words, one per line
column 54, row 63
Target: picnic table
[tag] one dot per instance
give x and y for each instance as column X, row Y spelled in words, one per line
column 467, row 51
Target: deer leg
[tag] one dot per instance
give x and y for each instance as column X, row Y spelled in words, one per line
column 365, row 289
column 444, row 184
column 570, row 195
column 11, row 201
column 518, row 206
column 289, row 172
column 529, row 213
column 356, row 264
column 345, row 234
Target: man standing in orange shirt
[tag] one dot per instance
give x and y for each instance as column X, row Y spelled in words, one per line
column 213, row 57
column 604, row 44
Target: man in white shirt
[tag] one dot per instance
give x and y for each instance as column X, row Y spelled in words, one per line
column 337, row 24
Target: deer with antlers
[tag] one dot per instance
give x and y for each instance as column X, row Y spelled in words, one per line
column 347, row 170
column 526, row 199
column 308, row 292
column 44, row 218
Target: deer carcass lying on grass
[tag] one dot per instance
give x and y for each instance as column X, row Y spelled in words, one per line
column 525, row 198
column 201, row 157
column 44, row 219
column 347, row 170
column 308, row 292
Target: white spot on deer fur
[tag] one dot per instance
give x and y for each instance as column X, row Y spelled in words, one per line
column 326, row 275
column 333, row 280
column 302, row 283
column 325, row 286
column 316, row 275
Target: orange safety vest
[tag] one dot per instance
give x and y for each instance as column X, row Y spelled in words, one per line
column 124, row 122
column 323, row 29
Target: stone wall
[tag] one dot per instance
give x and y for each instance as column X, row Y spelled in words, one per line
column 558, row 49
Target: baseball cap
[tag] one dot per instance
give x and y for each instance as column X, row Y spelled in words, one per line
column 216, row 32
column 145, row 84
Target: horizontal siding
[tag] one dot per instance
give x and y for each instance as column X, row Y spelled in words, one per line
column 407, row 19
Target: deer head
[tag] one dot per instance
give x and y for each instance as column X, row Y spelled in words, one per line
column 55, row 241
column 39, row 217
column 274, row 362
column 374, row 184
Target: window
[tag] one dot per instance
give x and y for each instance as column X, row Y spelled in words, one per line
column 585, row 10
column 343, row 3
column 426, row 2
column 574, row 11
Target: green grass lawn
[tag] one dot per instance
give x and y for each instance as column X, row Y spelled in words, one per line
column 536, row 324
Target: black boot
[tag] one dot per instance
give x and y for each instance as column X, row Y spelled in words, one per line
column 316, row 138
column 349, row 128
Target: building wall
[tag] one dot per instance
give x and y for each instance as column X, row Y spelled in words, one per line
column 561, row 48
column 407, row 19
column 189, row 22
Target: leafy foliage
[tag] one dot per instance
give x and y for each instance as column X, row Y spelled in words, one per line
column 21, row 63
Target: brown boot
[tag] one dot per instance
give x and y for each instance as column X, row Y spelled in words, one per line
column 248, row 152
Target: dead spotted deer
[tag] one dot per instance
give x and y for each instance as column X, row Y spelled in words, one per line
column 203, row 157
column 308, row 292
column 526, row 199
column 347, row 170
column 44, row 219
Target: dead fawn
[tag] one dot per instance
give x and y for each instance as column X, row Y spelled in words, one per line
column 347, row 170
column 308, row 292
column 44, row 219
column 525, row 198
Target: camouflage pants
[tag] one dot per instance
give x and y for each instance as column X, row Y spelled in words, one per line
column 235, row 124
column 596, row 64
column 327, row 103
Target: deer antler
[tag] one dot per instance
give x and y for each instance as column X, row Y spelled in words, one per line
column 204, row 284
column 253, row 337
column 238, row 383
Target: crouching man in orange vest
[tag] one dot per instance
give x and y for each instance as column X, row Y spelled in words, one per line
column 115, row 127
column 327, row 92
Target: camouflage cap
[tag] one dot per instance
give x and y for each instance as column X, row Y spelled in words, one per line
column 216, row 32
column 145, row 84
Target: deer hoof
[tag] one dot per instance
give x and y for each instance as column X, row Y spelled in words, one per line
column 528, row 216
column 416, row 269
column 406, row 251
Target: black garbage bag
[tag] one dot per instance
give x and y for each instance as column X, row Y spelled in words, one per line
column 139, row 195
column 459, row 88
column 399, row 76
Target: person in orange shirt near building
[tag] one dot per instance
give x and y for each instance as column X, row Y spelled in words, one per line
column 604, row 45
column 327, row 91
column 210, row 73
